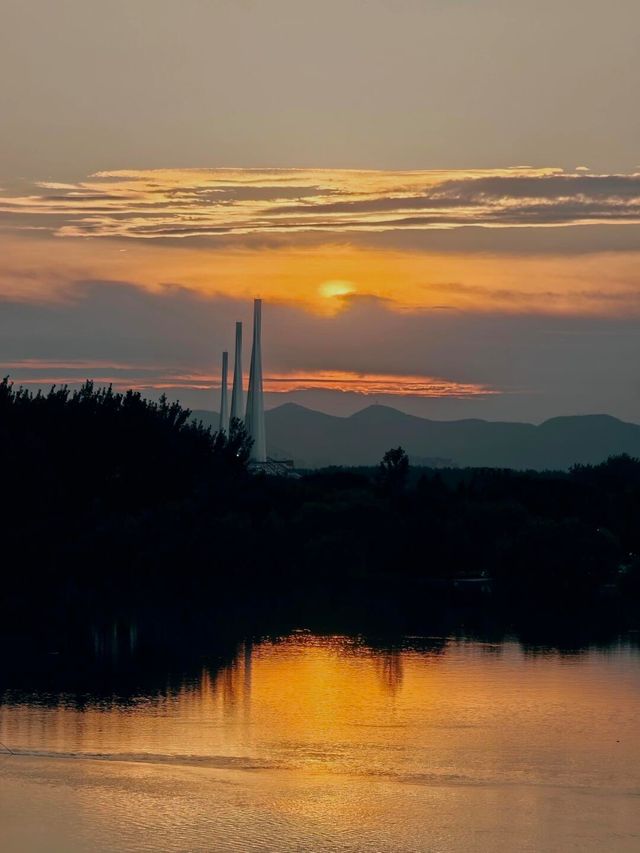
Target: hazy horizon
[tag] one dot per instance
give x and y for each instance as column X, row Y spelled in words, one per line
column 350, row 408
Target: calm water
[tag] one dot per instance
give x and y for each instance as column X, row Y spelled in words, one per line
column 324, row 743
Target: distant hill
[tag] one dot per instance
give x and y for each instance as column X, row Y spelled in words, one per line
column 314, row 439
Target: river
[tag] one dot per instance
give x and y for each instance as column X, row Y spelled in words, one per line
column 332, row 743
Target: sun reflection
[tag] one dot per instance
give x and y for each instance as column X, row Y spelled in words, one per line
column 331, row 737
column 335, row 704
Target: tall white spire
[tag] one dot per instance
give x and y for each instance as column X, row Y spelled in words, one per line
column 237, row 394
column 224, row 405
column 254, row 420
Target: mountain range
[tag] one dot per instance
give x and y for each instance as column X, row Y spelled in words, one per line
column 315, row 439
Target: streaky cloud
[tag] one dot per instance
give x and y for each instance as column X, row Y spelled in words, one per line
column 183, row 204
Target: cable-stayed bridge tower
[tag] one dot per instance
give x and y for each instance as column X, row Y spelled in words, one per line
column 237, row 394
column 224, row 405
column 254, row 419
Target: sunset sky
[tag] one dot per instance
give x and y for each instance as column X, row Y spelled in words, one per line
column 438, row 200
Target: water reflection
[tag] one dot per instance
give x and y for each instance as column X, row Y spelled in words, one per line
column 353, row 744
column 447, row 706
column 390, row 669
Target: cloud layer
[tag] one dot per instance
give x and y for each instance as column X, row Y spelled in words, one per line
column 46, row 372
column 503, row 293
column 188, row 203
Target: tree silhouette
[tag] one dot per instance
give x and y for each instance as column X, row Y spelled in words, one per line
column 108, row 499
column 393, row 471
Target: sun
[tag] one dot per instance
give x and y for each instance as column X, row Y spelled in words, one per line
column 335, row 287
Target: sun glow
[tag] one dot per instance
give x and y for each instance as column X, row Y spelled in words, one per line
column 305, row 237
column 330, row 289
column 54, row 270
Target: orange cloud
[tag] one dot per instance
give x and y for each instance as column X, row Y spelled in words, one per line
column 373, row 384
column 326, row 278
column 43, row 372
column 291, row 236
column 187, row 203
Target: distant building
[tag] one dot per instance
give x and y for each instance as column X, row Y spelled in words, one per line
column 275, row 468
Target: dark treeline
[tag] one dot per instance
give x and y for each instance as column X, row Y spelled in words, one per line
column 111, row 501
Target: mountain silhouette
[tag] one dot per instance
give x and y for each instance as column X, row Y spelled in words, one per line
column 314, row 439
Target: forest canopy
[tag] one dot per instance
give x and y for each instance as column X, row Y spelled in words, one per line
column 108, row 497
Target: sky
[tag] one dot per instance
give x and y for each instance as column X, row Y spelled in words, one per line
column 437, row 200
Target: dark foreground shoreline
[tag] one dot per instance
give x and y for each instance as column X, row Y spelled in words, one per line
column 116, row 510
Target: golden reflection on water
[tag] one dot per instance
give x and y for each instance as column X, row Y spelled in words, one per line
column 455, row 709
column 435, row 745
